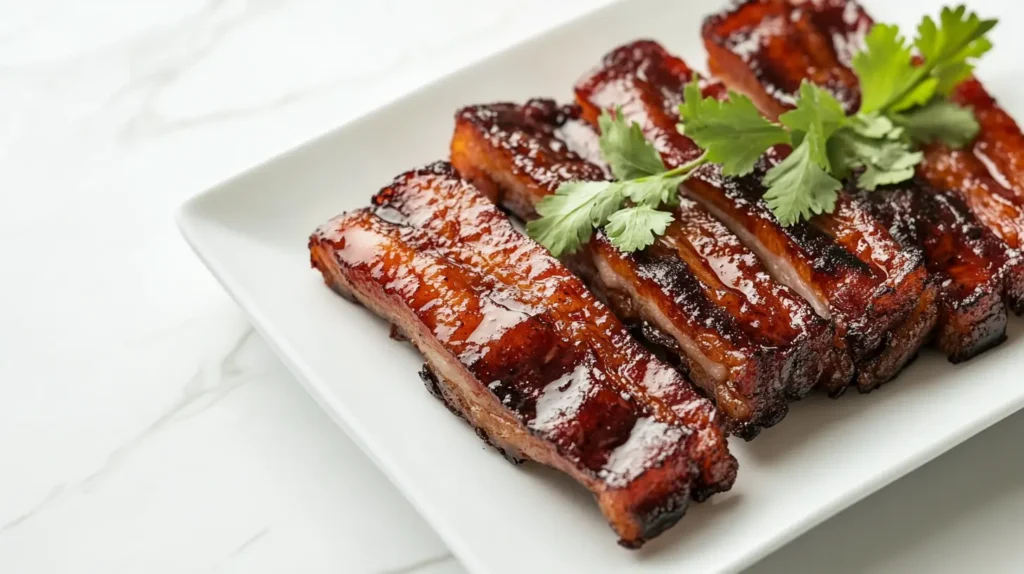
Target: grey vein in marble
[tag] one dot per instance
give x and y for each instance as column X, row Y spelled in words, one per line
column 166, row 57
column 54, row 493
column 241, row 548
column 197, row 396
column 420, row 565
column 226, row 378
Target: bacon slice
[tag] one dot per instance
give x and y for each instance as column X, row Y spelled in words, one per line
column 846, row 264
column 777, row 39
column 747, row 340
column 516, row 345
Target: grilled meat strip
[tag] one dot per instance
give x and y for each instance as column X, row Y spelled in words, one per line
column 968, row 264
column 845, row 264
column 766, row 48
column 1000, row 143
column 517, row 345
column 745, row 339
column 842, row 25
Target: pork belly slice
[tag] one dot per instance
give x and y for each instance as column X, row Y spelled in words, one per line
column 845, row 264
column 517, row 346
column 744, row 338
column 764, row 48
column 1000, row 143
column 969, row 264
column 744, row 46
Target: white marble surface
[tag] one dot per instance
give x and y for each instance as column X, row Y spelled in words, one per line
column 143, row 426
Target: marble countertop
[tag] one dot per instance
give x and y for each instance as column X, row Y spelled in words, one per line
column 144, row 427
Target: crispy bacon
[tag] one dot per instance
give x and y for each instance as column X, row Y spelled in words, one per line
column 746, row 339
column 845, row 264
column 517, row 345
column 764, row 48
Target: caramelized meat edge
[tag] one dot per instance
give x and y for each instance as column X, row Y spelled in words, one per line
column 516, row 345
column 747, row 340
column 846, row 265
column 764, row 49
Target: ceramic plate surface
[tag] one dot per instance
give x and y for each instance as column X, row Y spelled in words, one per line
column 500, row 519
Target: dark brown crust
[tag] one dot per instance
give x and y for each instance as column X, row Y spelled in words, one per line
column 522, row 351
column 961, row 171
column 970, row 260
column 712, row 300
column 846, row 263
column 967, row 261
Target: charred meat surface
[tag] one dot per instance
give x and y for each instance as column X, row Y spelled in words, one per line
column 747, row 340
column 992, row 203
column 968, row 262
column 518, row 346
column 947, row 229
column 845, row 264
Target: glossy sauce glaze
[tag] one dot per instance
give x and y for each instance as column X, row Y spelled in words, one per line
column 844, row 264
column 981, row 175
column 968, row 262
column 1000, row 144
column 774, row 42
column 968, row 324
column 496, row 315
column 743, row 337
column 795, row 43
column 453, row 212
column 993, row 204
column 770, row 313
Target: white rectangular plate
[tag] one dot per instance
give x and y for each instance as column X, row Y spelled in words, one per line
column 499, row 519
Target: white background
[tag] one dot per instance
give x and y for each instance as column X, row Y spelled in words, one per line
column 143, row 426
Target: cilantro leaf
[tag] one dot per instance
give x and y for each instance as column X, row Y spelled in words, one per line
column 885, row 161
column 623, row 146
column 892, row 81
column 799, row 188
column 952, row 45
column 569, row 216
column 888, row 78
column 940, row 120
column 816, row 117
column 895, row 164
column 636, row 227
column 654, row 190
column 874, row 126
column 732, row 132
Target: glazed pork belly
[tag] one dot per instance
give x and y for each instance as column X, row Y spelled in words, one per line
column 1000, row 143
column 845, row 264
column 516, row 345
column 968, row 264
column 841, row 26
column 747, row 340
column 969, row 225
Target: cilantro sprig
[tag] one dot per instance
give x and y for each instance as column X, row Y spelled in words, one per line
column 627, row 208
column 904, row 103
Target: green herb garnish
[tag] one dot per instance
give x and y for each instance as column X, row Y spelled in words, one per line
column 568, row 218
column 903, row 104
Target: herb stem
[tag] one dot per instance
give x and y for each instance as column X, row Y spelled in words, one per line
column 684, row 170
